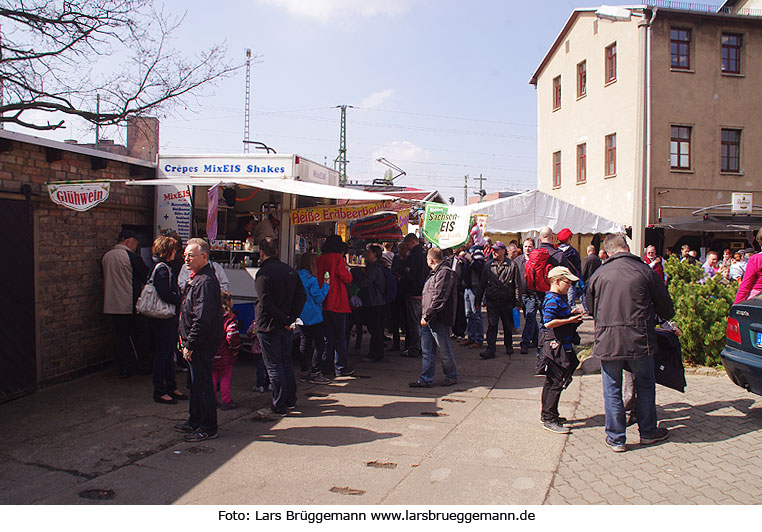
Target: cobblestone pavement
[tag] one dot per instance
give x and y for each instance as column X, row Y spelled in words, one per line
column 713, row 455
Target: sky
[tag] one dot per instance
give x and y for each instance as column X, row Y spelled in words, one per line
column 440, row 88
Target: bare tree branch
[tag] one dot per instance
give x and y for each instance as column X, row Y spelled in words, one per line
column 53, row 56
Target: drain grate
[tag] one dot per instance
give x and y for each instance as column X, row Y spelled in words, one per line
column 381, row 465
column 98, row 495
column 347, row 491
column 449, row 400
column 200, row 449
column 434, row 414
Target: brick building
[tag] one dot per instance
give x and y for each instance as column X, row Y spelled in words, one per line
column 52, row 289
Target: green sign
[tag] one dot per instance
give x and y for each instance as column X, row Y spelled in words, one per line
column 446, row 226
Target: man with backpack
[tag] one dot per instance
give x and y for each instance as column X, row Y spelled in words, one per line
column 499, row 284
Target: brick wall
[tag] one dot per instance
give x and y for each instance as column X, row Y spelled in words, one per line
column 73, row 335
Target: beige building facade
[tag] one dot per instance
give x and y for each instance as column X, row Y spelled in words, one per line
column 658, row 115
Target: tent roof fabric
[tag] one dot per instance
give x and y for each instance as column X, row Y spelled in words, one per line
column 288, row 186
column 533, row 210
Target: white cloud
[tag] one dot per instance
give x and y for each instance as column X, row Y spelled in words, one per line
column 399, row 152
column 325, row 10
column 377, row 99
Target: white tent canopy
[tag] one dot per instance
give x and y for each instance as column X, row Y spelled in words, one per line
column 530, row 211
column 288, row 186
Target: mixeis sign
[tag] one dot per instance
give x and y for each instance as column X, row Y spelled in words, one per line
column 79, row 196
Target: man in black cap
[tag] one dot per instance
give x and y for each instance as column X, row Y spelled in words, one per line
column 124, row 274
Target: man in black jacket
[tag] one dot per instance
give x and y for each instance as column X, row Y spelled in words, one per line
column 439, row 298
column 280, row 300
column 372, row 293
column 624, row 296
column 412, row 285
column 499, row 284
column 201, row 331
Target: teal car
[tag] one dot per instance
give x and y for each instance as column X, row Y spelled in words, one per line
column 742, row 356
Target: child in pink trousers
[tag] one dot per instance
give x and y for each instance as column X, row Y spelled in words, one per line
column 227, row 354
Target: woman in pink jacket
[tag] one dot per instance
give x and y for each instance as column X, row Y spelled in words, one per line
column 751, row 285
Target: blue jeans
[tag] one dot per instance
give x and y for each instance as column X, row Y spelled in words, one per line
column 645, row 384
column 531, row 330
column 435, row 338
column 474, row 317
column 276, row 354
column 572, row 295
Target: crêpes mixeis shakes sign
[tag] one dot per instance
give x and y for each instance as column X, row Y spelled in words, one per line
column 79, row 196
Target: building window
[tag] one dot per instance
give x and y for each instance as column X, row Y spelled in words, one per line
column 581, row 163
column 611, row 63
column 610, row 163
column 730, row 156
column 680, row 48
column 680, row 147
column 581, row 79
column 731, row 53
column 556, row 92
column 557, row 169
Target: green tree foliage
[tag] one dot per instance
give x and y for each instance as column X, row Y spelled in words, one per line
column 701, row 310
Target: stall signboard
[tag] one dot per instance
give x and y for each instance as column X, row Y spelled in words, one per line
column 742, row 202
column 79, row 196
column 173, row 210
column 275, row 166
column 403, row 219
column 446, row 226
column 337, row 213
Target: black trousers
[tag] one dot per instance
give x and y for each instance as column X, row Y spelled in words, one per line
column 497, row 312
column 312, row 348
column 203, row 401
column 374, row 319
column 551, row 391
column 131, row 342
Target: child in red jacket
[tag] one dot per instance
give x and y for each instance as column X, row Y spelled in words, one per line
column 227, row 354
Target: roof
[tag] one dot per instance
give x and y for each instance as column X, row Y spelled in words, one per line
column 73, row 148
column 569, row 23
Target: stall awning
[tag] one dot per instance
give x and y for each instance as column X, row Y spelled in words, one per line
column 530, row 211
column 711, row 224
column 287, row 186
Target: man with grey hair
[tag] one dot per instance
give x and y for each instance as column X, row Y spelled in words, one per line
column 201, row 331
column 624, row 296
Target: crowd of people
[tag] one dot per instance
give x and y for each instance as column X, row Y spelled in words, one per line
column 305, row 317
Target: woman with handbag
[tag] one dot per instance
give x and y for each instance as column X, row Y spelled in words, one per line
column 165, row 329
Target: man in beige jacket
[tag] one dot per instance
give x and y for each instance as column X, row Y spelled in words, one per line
column 124, row 275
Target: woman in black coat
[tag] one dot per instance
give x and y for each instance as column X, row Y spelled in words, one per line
column 165, row 330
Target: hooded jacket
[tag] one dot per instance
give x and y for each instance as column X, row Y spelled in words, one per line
column 440, row 295
column 337, row 299
column 624, row 296
column 312, row 313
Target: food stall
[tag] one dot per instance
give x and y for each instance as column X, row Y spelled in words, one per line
column 294, row 195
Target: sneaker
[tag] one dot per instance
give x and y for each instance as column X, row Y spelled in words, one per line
column 232, row 405
column 345, row 373
column 318, row 379
column 408, row 354
column 661, row 434
column 449, row 382
column 509, row 351
column 419, row 384
column 553, row 426
column 616, row 447
column 185, row 428
column 523, row 350
column 560, row 420
column 476, row 345
column 487, row 354
column 260, row 389
column 201, row 435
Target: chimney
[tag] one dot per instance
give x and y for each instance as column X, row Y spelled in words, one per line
column 143, row 138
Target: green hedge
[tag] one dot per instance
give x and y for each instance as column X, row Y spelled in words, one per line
column 701, row 310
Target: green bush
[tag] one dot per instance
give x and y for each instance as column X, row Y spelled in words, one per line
column 701, row 310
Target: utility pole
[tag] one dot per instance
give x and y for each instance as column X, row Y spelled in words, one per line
column 341, row 159
column 482, row 192
column 246, row 111
column 465, row 189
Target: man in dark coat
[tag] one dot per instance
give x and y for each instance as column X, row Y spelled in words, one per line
column 529, row 300
column 624, row 296
column 572, row 256
column 280, row 300
column 439, row 297
column 412, row 285
column 500, row 286
column 201, row 331
column 589, row 264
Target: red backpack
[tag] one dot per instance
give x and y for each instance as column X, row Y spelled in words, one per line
column 536, row 270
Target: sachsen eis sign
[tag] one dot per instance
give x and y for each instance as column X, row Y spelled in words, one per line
column 446, row 226
column 79, row 196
